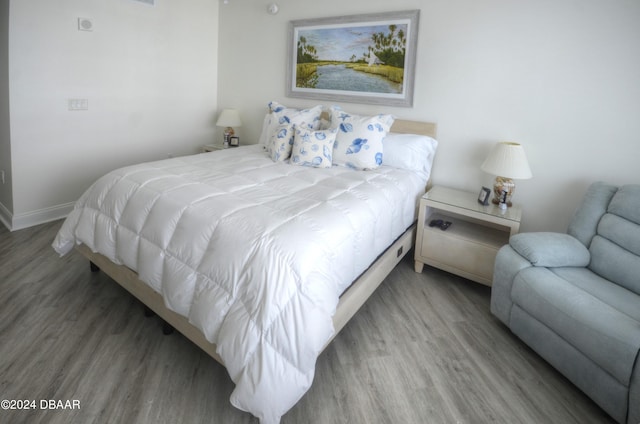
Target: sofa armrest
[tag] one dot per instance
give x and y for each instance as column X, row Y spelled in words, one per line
column 508, row 264
column 551, row 249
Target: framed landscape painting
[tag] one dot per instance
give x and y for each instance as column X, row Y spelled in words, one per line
column 361, row 58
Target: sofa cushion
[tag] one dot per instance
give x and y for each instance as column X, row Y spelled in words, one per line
column 626, row 203
column 607, row 336
column 616, row 296
column 620, row 231
column 615, row 263
column 594, row 205
column 615, row 249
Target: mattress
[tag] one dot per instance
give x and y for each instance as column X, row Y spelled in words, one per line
column 253, row 252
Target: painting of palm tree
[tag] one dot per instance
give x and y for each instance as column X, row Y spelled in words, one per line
column 356, row 58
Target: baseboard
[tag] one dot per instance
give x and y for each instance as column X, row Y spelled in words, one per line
column 40, row 216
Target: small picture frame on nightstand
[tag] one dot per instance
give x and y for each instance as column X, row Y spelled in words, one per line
column 234, row 141
column 483, row 196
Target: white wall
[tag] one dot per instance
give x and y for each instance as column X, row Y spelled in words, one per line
column 148, row 72
column 562, row 77
column 6, row 204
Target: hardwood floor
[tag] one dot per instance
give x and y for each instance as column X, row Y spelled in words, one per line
column 423, row 349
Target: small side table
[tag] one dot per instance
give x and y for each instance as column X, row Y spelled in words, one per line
column 468, row 247
column 212, row 147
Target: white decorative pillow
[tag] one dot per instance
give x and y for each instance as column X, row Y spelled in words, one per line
column 284, row 115
column 264, row 133
column 359, row 141
column 409, row 151
column 313, row 148
column 281, row 142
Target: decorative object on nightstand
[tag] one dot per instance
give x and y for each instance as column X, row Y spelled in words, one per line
column 506, row 161
column 229, row 118
column 483, row 196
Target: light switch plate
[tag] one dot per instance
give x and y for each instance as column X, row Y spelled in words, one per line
column 78, row 104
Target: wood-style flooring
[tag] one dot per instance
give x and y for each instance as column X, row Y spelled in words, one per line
column 424, row 349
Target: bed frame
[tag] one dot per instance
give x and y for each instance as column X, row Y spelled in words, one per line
column 350, row 301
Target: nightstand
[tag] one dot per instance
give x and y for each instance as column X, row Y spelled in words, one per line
column 468, row 247
column 211, row 147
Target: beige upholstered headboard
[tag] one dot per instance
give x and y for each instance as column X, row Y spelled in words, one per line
column 414, row 127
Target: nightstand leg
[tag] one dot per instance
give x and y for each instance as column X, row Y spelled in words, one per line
column 418, row 267
column 93, row 267
column 166, row 328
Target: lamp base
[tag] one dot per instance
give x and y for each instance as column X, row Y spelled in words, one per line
column 501, row 185
column 228, row 133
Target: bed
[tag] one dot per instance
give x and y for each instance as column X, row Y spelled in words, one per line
column 259, row 262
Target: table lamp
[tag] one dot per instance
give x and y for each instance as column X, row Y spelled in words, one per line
column 507, row 161
column 229, row 118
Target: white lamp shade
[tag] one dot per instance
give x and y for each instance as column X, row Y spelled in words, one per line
column 229, row 118
column 507, row 159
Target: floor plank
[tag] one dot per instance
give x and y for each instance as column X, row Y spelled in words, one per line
column 423, row 349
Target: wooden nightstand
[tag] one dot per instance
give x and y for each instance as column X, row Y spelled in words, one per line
column 468, row 247
column 211, row 147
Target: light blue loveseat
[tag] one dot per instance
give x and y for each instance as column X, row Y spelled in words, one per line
column 575, row 298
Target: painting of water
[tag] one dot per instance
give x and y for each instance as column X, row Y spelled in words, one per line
column 360, row 58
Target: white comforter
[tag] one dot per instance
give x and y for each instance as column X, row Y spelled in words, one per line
column 254, row 253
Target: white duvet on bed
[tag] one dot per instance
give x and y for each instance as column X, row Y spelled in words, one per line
column 254, row 253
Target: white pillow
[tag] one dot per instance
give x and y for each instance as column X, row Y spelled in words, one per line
column 281, row 142
column 409, row 151
column 283, row 115
column 313, row 148
column 359, row 141
column 264, row 133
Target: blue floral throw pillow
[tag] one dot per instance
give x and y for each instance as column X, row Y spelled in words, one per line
column 280, row 115
column 358, row 143
column 313, row 148
column 309, row 118
column 281, row 142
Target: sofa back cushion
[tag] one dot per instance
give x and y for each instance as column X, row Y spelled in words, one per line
column 594, row 204
column 615, row 248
